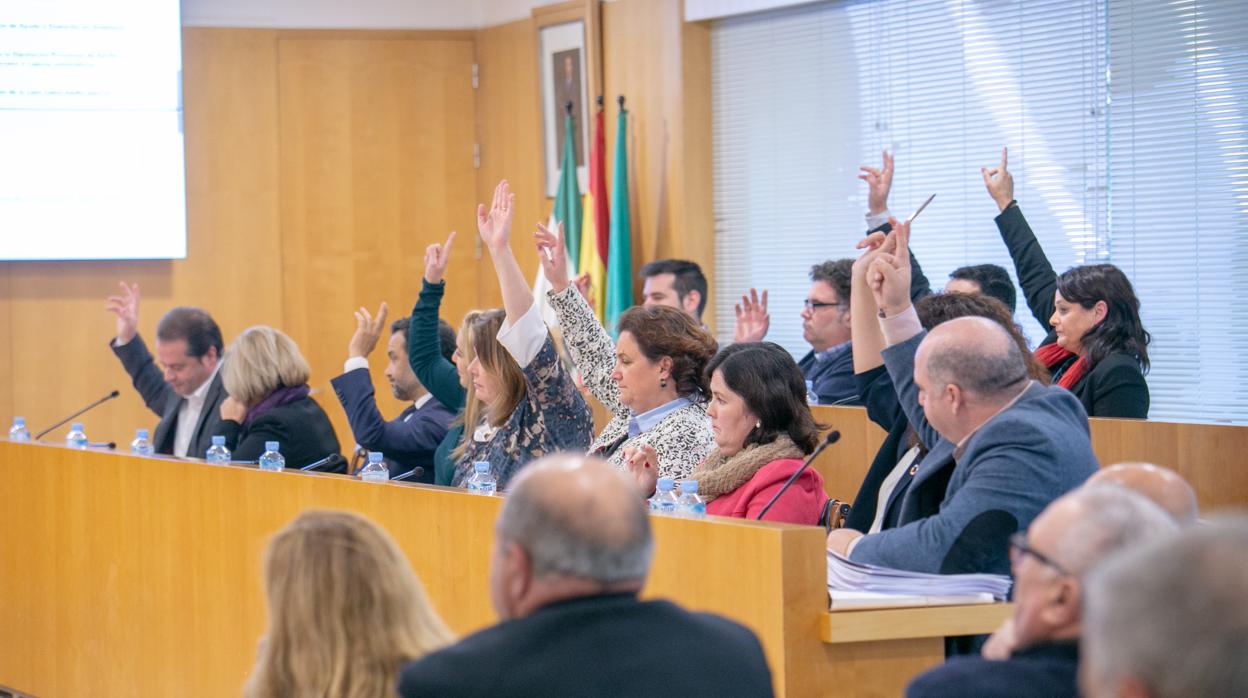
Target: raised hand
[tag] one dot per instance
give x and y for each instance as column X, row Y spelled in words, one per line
column 999, row 181
column 585, row 288
column 879, row 182
column 642, row 463
column 367, row 331
column 551, row 253
column 126, row 308
column 752, row 318
column 436, row 258
column 889, row 273
column 872, row 246
column 495, row 224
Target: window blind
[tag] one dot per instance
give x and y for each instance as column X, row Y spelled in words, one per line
column 1103, row 107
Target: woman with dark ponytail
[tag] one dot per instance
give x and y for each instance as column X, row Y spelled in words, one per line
column 1098, row 348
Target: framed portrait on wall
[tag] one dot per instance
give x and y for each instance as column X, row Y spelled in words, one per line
column 569, row 63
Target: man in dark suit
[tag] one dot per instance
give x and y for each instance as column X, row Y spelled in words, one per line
column 572, row 547
column 187, row 394
column 1068, row 540
column 1002, row 447
column 409, row 440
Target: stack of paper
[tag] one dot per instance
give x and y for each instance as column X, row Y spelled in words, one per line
column 846, row 575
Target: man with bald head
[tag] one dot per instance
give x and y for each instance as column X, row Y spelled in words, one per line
column 1165, row 487
column 1001, row 447
column 572, row 547
column 1050, row 563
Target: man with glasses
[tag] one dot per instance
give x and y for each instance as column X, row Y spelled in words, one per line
column 829, row 365
column 1049, row 563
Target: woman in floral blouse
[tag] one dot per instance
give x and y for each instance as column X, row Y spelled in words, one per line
column 532, row 405
column 652, row 380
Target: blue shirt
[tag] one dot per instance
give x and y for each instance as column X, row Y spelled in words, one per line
column 640, row 423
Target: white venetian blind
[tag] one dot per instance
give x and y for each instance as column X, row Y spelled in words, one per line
column 803, row 96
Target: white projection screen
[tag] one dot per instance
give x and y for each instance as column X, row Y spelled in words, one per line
column 91, row 148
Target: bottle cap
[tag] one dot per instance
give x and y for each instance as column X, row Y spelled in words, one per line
column 19, row 421
column 270, row 445
column 76, row 426
column 481, row 466
column 666, row 483
column 141, row 434
column 218, row 441
column 374, row 456
column 688, row 486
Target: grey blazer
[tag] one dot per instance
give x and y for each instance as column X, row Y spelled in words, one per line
column 165, row 402
column 956, row 517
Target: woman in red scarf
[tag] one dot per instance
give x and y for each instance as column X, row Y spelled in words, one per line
column 1098, row 348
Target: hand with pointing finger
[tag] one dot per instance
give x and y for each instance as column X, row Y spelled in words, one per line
column 436, row 258
column 999, row 181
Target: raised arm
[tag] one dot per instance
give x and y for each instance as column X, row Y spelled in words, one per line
column 494, row 224
column 438, row 375
column 1035, row 273
column 868, row 339
column 879, row 184
column 132, row 351
column 591, row 347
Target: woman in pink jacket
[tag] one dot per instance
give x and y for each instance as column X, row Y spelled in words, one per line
column 763, row 430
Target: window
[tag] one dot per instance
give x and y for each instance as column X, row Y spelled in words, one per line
column 1127, row 144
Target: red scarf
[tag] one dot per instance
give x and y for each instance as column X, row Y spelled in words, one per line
column 1052, row 355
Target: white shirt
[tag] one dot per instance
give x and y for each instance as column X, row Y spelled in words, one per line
column 188, row 416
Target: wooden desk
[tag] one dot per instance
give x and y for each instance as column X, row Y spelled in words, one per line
column 124, row 576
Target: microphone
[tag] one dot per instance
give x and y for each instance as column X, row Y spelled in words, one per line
column 412, row 474
column 833, row 437
column 93, row 405
column 329, row 464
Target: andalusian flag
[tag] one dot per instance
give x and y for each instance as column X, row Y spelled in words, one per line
column 568, row 197
column 619, row 249
column 567, row 210
column 595, row 233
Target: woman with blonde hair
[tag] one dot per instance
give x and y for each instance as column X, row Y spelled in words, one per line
column 346, row 611
column 267, row 379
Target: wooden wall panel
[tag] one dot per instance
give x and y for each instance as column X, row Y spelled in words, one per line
column 376, row 143
column 59, row 328
column 662, row 67
column 509, row 130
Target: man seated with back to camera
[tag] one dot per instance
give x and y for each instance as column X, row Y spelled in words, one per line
column 572, row 548
column 188, row 393
column 409, row 440
column 1001, row 446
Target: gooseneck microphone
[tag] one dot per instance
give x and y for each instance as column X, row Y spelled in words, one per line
column 833, row 437
column 92, row 406
column 333, row 463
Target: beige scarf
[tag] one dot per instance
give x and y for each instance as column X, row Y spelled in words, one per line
column 718, row 475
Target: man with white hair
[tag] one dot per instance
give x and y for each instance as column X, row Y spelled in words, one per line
column 1169, row 619
column 571, row 551
column 1050, row 561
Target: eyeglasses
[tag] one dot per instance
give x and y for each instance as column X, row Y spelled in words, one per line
column 814, row 306
column 1020, row 547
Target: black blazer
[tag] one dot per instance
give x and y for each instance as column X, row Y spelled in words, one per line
column 165, row 401
column 880, row 398
column 301, row 428
column 612, row 645
column 1045, row 671
column 1115, row 387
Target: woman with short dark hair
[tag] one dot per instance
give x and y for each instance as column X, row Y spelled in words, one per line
column 652, row 379
column 763, row 432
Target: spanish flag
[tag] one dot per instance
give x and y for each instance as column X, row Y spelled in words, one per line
column 595, row 229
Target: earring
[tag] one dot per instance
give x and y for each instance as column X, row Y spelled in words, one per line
column 758, row 424
column 662, row 382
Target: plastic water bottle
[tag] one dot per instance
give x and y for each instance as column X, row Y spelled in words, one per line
column 482, row 480
column 690, row 505
column 376, row 470
column 812, row 398
column 142, row 445
column 217, row 452
column 271, row 459
column 77, row 438
column 664, row 499
column 18, row 432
